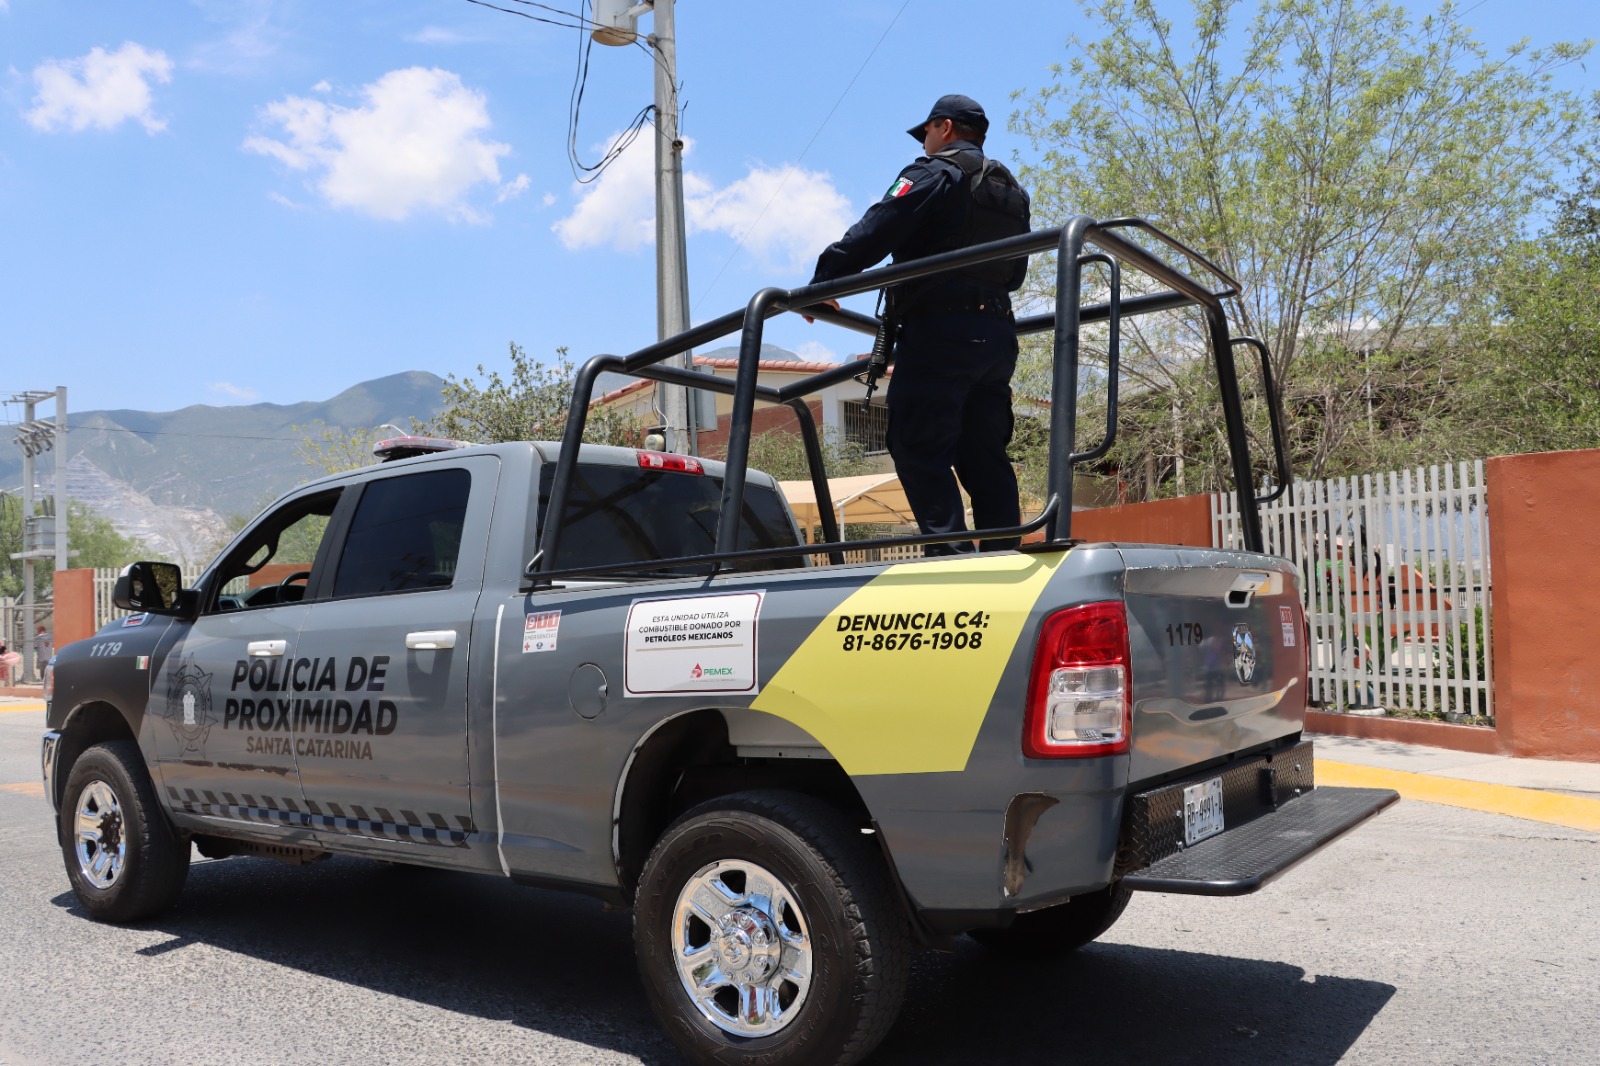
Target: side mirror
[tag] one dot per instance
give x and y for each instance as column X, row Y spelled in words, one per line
column 154, row 588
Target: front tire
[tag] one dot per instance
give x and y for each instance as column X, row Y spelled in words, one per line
column 768, row 933
column 1060, row 929
column 123, row 858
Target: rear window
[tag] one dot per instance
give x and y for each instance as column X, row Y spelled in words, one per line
column 619, row 514
column 405, row 534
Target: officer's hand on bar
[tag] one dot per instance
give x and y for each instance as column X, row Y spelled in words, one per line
column 825, row 303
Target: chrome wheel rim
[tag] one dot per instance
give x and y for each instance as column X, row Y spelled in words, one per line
column 101, row 845
column 742, row 947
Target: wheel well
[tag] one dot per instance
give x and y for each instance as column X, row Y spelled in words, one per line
column 91, row 724
column 688, row 761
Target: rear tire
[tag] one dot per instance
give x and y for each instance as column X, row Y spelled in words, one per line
column 1057, row 930
column 768, row 933
column 123, row 857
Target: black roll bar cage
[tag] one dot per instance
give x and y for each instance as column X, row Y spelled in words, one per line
column 1067, row 319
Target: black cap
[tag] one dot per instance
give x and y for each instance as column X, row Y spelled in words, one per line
column 963, row 109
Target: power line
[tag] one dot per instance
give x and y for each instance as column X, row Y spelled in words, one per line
column 793, row 167
column 580, row 81
column 83, row 429
column 536, row 18
column 583, row 172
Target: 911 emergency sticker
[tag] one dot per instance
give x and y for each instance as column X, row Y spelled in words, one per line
column 692, row 644
column 539, row 630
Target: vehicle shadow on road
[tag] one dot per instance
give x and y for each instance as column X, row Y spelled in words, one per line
column 558, row 964
column 1120, row 1003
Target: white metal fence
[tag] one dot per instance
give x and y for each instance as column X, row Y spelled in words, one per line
column 896, row 554
column 1396, row 586
column 105, row 579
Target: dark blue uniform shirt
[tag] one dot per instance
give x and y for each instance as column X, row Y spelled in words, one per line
column 923, row 212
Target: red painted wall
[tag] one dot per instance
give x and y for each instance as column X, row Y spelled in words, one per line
column 713, row 443
column 1184, row 520
column 1544, row 551
column 74, row 606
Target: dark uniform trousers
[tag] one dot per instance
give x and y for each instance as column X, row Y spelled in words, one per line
column 950, row 406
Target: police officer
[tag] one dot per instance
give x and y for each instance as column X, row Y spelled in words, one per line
column 950, row 395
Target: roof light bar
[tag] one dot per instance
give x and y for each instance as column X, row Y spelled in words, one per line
column 409, row 447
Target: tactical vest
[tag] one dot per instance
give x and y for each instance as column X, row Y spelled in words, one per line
column 997, row 207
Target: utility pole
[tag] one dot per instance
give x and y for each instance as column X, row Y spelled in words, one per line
column 615, row 23
column 43, row 536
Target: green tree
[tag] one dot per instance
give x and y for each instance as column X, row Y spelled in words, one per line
column 335, row 449
column 1359, row 172
column 531, row 405
column 782, row 453
column 97, row 541
column 92, row 536
column 1536, row 347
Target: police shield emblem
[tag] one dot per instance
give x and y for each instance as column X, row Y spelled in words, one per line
column 1244, row 654
column 189, row 705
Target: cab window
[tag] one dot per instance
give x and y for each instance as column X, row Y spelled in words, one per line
column 618, row 514
column 405, row 535
column 274, row 561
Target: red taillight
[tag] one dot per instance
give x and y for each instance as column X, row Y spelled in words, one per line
column 1079, row 699
column 684, row 464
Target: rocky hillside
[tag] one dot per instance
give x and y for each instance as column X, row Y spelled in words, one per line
column 172, row 478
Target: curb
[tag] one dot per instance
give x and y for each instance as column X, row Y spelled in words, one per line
column 1572, row 812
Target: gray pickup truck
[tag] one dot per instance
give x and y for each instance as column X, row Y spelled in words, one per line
column 623, row 672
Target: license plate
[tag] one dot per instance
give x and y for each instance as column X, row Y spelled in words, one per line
column 1202, row 811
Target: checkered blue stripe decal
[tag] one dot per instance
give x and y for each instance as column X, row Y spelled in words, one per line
column 354, row 819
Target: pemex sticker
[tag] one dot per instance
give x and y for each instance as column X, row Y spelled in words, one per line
column 692, row 644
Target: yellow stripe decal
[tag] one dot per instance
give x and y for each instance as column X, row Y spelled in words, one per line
column 1574, row 812
column 899, row 677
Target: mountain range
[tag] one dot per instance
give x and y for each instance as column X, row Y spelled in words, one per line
column 176, row 480
column 173, row 478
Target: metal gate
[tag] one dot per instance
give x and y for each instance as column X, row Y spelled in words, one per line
column 1396, row 585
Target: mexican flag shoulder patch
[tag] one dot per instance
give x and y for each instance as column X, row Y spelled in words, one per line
column 900, row 187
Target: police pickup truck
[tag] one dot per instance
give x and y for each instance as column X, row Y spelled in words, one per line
column 622, row 672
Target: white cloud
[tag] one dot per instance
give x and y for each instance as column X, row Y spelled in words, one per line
column 618, row 208
column 279, row 198
column 234, row 392
column 784, row 216
column 323, row 86
column 102, row 89
column 414, row 143
column 512, row 189
column 440, row 35
column 549, row 198
column 812, row 352
column 249, row 39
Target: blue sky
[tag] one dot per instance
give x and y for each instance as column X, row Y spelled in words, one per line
column 230, row 201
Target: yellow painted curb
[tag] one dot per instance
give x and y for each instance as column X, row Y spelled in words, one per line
column 31, row 705
column 1574, row 812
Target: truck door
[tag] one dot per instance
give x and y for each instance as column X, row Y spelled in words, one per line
column 383, row 750
column 222, row 714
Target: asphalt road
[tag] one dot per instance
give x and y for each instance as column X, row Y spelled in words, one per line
column 1432, row 935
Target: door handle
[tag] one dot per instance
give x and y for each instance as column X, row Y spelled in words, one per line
column 266, row 649
column 431, row 640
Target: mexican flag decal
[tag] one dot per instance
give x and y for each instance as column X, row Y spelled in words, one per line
column 900, row 187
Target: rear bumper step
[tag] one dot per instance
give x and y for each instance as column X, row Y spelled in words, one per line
column 1243, row 859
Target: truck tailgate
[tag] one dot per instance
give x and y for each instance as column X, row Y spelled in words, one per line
column 1218, row 646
